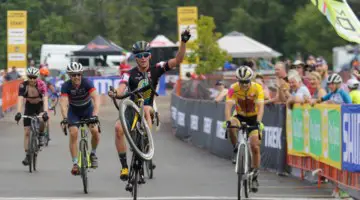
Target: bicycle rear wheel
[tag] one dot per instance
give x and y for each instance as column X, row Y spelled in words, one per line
column 83, row 165
column 128, row 106
column 135, row 184
column 240, row 164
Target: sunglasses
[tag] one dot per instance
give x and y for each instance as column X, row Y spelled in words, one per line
column 75, row 75
column 244, row 82
column 141, row 55
column 32, row 77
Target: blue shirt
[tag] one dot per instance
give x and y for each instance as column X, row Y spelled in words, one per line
column 339, row 97
column 78, row 96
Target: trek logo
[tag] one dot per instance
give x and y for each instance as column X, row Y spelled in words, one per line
column 273, row 137
column 102, row 84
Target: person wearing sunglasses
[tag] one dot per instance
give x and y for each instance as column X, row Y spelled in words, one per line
column 139, row 76
column 248, row 96
column 76, row 103
column 34, row 91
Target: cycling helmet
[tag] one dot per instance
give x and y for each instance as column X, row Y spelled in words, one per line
column 44, row 71
column 32, row 71
column 353, row 83
column 334, row 78
column 244, row 73
column 141, row 46
column 74, row 67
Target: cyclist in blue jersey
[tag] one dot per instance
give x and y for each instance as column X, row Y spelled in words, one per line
column 76, row 103
column 336, row 94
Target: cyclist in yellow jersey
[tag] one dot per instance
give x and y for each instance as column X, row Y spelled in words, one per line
column 354, row 91
column 248, row 98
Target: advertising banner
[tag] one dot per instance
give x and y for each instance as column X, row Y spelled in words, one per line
column 350, row 137
column 17, row 40
column 10, row 92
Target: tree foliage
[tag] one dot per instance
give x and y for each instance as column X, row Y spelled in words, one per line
column 206, row 51
column 287, row 26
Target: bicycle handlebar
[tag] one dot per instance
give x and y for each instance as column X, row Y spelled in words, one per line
column 32, row 117
column 244, row 126
column 91, row 120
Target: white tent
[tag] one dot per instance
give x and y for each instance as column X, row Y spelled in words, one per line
column 161, row 41
column 239, row 45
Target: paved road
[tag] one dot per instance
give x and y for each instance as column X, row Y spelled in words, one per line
column 183, row 171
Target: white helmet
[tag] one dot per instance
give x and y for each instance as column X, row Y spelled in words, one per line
column 32, row 71
column 74, row 67
column 334, row 78
column 353, row 83
column 244, row 73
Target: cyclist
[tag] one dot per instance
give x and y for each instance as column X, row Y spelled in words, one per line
column 336, row 94
column 44, row 76
column 34, row 92
column 248, row 96
column 75, row 103
column 138, row 77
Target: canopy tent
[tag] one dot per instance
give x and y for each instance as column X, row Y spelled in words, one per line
column 161, row 41
column 239, row 45
column 100, row 46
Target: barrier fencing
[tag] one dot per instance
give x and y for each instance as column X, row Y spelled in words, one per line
column 324, row 138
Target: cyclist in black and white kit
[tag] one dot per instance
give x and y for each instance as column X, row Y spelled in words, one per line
column 139, row 77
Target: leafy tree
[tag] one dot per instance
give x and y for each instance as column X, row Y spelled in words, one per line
column 206, row 51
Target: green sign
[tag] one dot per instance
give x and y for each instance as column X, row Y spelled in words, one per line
column 315, row 132
column 334, row 137
column 297, row 129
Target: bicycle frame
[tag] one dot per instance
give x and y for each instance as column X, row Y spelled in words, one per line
column 243, row 139
column 84, row 138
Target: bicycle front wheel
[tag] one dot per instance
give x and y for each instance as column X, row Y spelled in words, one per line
column 83, row 165
column 128, row 123
column 30, row 151
column 240, row 165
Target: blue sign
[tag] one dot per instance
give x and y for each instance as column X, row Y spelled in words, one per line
column 350, row 117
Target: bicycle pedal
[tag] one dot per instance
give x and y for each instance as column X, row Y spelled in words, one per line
column 141, row 181
column 129, row 187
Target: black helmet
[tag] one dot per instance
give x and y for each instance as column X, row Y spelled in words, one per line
column 141, row 46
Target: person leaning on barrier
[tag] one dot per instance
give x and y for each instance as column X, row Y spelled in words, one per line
column 220, row 86
column 336, row 94
column 315, row 84
column 353, row 85
column 298, row 91
column 249, row 99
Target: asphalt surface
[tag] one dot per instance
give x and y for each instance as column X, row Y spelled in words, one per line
column 183, row 171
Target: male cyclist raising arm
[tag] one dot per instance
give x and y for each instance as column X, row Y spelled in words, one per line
column 137, row 78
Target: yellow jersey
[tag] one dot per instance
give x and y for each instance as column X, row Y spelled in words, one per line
column 355, row 96
column 246, row 100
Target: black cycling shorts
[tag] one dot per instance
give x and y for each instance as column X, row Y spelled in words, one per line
column 32, row 109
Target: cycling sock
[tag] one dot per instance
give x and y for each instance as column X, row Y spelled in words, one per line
column 75, row 160
column 93, row 151
column 123, row 161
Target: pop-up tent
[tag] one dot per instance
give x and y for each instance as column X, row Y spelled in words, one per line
column 100, row 46
column 161, row 41
column 239, row 45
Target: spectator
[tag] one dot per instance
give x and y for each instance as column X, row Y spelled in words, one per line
column 311, row 60
column 124, row 66
column 281, row 83
column 336, row 95
column 220, row 87
column 2, row 75
column 299, row 66
column 13, row 75
column 260, row 80
column 315, row 84
column 353, row 85
column 298, row 92
column 322, row 67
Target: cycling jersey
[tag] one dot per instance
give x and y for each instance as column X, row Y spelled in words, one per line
column 339, row 97
column 79, row 97
column 135, row 79
column 355, row 96
column 246, row 100
column 28, row 93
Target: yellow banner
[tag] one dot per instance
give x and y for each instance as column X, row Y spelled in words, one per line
column 342, row 18
column 187, row 18
column 17, row 40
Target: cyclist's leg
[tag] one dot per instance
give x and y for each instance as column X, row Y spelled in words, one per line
column 27, row 123
column 148, row 110
column 232, row 133
column 73, row 129
column 255, row 150
column 95, row 137
column 39, row 111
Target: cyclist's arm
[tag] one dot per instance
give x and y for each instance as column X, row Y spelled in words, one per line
column 64, row 102
column 121, row 89
column 46, row 103
column 95, row 96
column 260, row 103
column 179, row 56
column 228, row 107
column 20, row 103
column 52, row 89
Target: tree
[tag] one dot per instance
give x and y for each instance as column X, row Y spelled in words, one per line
column 310, row 32
column 206, row 51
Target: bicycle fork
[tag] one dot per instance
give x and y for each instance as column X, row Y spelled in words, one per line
column 83, row 141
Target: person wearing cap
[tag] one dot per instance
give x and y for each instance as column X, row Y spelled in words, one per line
column 353, row 85
column 322, row 67
column 220, row 86
column 299, row 66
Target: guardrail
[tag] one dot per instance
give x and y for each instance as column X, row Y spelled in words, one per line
column 323, row 139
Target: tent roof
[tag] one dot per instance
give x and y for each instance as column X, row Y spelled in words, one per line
column 238, row 45
column 162, row 41
column 100, row 46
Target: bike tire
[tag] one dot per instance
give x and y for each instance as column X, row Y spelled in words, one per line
column 30, row 151
column 241, row 168
column 35, row 151
column 124, row 104
column 135, row 184
column 149, row 169
column 247, row 182
column 83, row 167
column 47, row 135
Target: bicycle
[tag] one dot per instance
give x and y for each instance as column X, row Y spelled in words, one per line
column 33, row 147
column 53, row 102
column 243, row 158
column 83, row 154
column 139, row 136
